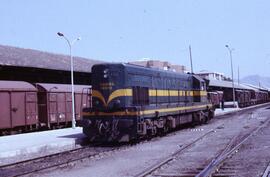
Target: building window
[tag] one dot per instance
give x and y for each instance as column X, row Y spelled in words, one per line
column 140, row 95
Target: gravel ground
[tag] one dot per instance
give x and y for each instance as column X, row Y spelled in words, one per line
column 133, row 160
column 252, row 158
column 196, row 158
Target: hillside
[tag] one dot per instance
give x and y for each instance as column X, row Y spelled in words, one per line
column 256, row 80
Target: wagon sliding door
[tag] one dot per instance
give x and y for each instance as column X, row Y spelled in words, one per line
column 43, row 109
column 82, row 100
column 68, row 107
column 52, row 108
column 5, row 119
column 79, row 98
column 31, row 108
column 18, row 109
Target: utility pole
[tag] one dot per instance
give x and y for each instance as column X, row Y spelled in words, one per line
column 70, row 44
column 190, row 57
column 233, row 92
column 238, row 76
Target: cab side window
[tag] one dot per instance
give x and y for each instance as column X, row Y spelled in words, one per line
column 140, row 95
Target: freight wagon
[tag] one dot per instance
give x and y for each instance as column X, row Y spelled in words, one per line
column 55, row 103
column 18, row 110
column 29, row 107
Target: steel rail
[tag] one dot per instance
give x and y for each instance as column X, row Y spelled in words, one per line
column 154, row 167
column 267, row 171
column 213, row 165
column 40, row 158
column 4, row 169
column 171, row 157
column 68, row 161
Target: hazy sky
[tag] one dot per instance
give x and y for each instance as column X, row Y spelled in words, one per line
column 122, row 30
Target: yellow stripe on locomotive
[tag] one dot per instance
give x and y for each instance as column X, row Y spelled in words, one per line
column 152, row 93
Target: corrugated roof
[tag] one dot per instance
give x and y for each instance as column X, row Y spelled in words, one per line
column 14, row 56
column 62, row 87
column 16, row 86
column 198, row 77
column 256, row 87
column 249, row 88
column 226, row 84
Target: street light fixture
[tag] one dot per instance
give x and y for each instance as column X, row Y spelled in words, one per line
column 70, row 44
column 230, row 51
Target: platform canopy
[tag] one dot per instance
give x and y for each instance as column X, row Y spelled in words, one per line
column 16, row 86
column 225, row 84
column 51, row 87
column 19, row 57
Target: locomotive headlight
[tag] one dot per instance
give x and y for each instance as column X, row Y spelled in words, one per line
column 105, row 75
column 118, row 102
column 105, row 71
column 97, row 102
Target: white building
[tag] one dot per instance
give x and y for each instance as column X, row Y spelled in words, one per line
column 212, row 75
column 164, row 65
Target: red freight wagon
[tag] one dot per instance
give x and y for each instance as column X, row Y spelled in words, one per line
column 55, row 103
column 18, row 110
column 214, row 98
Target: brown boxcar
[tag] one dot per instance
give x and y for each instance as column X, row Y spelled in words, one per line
column 247, row 97
column 55, row 103
column 240, row 97
column 215, row 98
column 18, row 110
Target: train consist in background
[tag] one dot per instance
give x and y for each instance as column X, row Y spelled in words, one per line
column 127, row 102
column 27, row 107
column 246, row 97
column 131, row 102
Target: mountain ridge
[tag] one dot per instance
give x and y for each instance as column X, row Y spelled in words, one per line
column 257, row 80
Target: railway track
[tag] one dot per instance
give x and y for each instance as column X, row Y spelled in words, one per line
column 70, row 158
column 218, row 166
column 222, row 165
column 61, row 159
column 156, row 166
column 267, row 171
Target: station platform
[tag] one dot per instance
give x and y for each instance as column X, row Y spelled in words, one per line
column 14, row 148
column 219, row 112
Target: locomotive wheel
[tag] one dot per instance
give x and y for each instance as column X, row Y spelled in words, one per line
column 206, row 119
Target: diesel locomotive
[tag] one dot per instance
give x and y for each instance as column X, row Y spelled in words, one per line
column 130, row 102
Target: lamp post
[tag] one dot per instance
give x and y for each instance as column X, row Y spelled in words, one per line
column 230, row 51
column 70, row 44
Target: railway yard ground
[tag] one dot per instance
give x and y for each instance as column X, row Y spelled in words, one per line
column 14, row 148
column 235, row 143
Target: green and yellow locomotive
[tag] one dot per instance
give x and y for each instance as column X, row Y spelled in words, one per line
column 130, row 102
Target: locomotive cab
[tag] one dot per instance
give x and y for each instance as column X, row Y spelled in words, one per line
column 199, row 89
column 111, row 105
column 108, row 86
